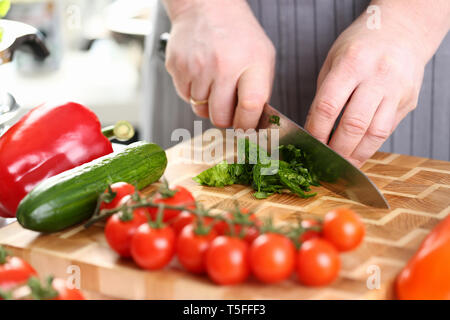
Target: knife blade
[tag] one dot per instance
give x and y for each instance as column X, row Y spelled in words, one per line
column 334, row 172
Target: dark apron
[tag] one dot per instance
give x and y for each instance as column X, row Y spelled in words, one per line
column 303, row 32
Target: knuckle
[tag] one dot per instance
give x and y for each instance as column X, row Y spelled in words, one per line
column 357, row 162
column 169, row 64
column 354, row 126
column 252, row 102
column 410, row 102
column 352, row 60
column 355, row 53
column 227, row 64
column 200, row 111
column 410, row 88
column 180, row 64
column 327, row 108
column 175, row 62
column 411, row 106
column 316, row 130
column 415, row 89
column 219, row 61
column 384, row 66
column 378, row 134
column 181, row 91
column 197, row 64
column 221, row 120
column 415, row 100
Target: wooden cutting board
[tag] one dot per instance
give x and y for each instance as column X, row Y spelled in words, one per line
column 417, row 189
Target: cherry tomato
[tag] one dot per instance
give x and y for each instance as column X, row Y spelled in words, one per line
column 121, row 189
column 182, row 197
column 14, row 271
column 191, row 248
column 223, row 228
column 64, row 292
column 272, row 257
column 344, row 229
column 318, row 262
column 119, row 232
column 153, row 248
column 183, row 219
column 227, row 260
column 308, row 223
column 250, row 233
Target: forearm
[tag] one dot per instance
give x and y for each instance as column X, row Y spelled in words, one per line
column 428, row 21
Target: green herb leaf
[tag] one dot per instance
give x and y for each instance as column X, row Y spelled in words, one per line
column 261, row 195
column 274, row 119
column 217, row 176
column 241, row 173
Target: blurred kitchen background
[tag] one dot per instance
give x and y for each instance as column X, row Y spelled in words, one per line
column 96, row 51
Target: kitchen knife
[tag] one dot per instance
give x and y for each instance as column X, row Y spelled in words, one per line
column 334, row 172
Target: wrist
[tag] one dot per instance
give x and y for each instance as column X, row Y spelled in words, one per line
column 425, row 23
column 177, row 8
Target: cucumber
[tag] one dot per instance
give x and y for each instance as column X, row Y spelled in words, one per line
column 71, row 196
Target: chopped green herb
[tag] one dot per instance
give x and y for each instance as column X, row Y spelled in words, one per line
column 275, row 120
column 260, row 195
column 217, row 176
column 290, row 173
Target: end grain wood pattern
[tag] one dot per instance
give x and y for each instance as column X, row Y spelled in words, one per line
column 418, row 190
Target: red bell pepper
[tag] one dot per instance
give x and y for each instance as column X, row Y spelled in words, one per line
column 427, row 274
column 46, row 141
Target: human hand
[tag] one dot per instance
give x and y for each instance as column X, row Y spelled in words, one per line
column 377, row 74
column 218, row 52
